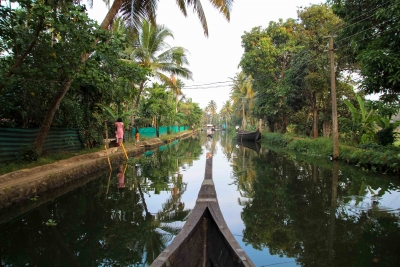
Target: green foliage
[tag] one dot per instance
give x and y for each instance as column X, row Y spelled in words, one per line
column 267, row 55
column 372, row 44
column 386, row 136
column 371, row 159
column 276, row 139
column 28, row 153
column 51, row 223
column 369, row 156
column 365, row 124
column 362, row 126
column 320, row 147
column 34, row 199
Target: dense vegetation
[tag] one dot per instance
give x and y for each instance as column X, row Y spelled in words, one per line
column 61, row 69
column 286, row 80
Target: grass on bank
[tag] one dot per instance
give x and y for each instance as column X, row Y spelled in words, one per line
column 54, row 157
column 385, row 159
column 47, row 159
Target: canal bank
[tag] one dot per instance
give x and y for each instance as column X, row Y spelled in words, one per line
column 25, row 184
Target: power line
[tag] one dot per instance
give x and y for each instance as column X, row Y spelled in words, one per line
column 209, row 87
column 345, row 38
column 196, row 85
column 366, row 13
column 370, row 37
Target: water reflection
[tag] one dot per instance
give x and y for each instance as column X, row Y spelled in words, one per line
column 304, row 211
column 107, row 222
column 281, row 208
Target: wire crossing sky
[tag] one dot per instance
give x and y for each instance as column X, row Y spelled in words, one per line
column 215, row 59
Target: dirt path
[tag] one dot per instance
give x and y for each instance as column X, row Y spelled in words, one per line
column 27, row 183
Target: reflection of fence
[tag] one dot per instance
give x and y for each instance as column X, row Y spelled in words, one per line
column 150, row 132
column 11, row 139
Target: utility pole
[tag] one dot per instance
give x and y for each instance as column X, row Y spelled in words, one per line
column 335, row 126
column 244, row 118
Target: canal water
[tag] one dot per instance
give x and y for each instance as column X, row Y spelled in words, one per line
column 282, row 209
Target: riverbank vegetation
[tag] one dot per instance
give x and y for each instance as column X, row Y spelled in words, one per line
column 286, row 80
column 369, row 156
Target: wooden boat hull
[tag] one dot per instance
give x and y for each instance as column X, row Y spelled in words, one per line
column 205, row 239
column 250, row 136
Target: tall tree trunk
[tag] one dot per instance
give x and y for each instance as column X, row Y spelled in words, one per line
column 111, row 14
column 48, row 119
column 44, row 129
column 315, row 116
column 139, row 94
column 327, row 128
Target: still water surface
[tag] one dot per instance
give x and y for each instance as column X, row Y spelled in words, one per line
column 282, row 210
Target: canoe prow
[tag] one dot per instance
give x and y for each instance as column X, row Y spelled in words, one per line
column 205, row 239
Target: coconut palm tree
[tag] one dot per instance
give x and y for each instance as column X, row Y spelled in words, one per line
column 212, row 109
column 242, row 95
column 176, row 87
column 153, row 52
column 226, row 111
column 135, row 11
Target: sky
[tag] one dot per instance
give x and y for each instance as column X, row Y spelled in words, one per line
column 214, row 60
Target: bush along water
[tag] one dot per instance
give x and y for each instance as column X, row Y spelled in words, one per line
column 369, row 156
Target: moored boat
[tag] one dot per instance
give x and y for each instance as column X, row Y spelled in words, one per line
column 205, row 239
column 250, row 136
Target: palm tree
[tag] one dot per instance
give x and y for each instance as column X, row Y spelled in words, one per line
column 135, row 11
column 151, row 51
column 226, row 111
column 176, row 87
column 243, row 95
column 212, row 108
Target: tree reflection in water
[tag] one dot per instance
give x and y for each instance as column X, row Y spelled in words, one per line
column 103, row 223
column 303, row 211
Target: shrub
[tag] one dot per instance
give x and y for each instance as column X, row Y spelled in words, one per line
column 276, row 139
column 312, row 147
column 28, row 153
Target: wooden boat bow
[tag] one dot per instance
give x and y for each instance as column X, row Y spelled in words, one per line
column 205, row 239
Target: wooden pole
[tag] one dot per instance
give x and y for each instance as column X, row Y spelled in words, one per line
column 123, row 149
column 108, row 185
column 334, row 103
column 106, row 146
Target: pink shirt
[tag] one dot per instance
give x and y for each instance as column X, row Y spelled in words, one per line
column 120, row 130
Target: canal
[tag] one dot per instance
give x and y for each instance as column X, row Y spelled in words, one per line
column 283, row 210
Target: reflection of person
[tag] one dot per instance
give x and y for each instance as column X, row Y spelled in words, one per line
column 121, row 177
column 119, row 133
column 209, row 132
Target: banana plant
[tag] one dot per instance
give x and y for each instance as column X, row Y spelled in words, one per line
column 111, row 115
column 363, row 122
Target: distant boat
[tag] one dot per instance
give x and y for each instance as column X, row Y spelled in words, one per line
column 249, row 136
column 205, row 239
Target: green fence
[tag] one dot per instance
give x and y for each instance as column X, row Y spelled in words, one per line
column 150, row 132
column 58, row 139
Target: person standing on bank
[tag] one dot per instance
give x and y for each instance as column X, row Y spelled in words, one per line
column 119, row 133
column 137, row 135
